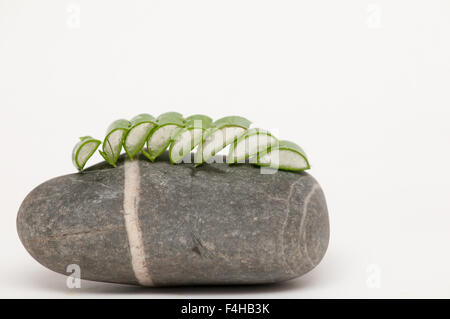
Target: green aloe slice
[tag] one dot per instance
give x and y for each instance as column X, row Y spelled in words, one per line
column 284, row 155
column 83, row 151
column 224, row 132
column 159, row 138
column 199, row 121
column 250, row 144
column 112, row 144
column 140, row 128
column 185, row 139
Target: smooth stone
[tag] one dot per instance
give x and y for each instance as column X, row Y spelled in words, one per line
column 214, row 224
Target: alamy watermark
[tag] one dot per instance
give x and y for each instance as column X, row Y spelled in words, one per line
column 374, row 14
column 73, row 280
column 373, row 280
column 73, row 20
column 215, row 140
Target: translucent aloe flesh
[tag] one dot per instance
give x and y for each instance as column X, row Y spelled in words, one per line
column 159, row 138
column 255, row 140
column 83, row 150
column 140, row 128
column 285, row 155
column 224, row 132
column 112, row 144
column 184, row 140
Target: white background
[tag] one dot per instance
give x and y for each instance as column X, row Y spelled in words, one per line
column 362, row 86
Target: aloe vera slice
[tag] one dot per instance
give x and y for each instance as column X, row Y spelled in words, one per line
column 83, row 151
column 185, row 139
column 285, row 155
column 250, row 144
column 112, row 144
column 141, row 126
column 224, row 132
column 199, row 121
column 159, row 138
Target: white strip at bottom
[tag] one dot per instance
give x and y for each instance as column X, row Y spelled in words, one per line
column 130, row 206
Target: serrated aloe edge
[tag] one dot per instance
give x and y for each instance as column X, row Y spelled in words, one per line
column 185, row 139
column 159, row 138
column 223, row 132
column 112, row 144
column 140, row 128
column 83, row 150
column 250, row 144
column 284, row 155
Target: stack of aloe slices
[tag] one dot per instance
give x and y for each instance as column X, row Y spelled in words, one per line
column 182, row 135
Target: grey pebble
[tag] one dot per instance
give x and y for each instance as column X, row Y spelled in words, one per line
column 210, row 225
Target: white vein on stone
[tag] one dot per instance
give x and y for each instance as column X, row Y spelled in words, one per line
column 283, row 226
column 134, row 232
column 303, row 219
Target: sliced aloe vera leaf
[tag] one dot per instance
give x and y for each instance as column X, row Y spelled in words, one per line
column 159, row 138
column 140, row 128
column 112, row 144
column 250, row 144
column 284, row 155
column 224, row 132
column 170, row 116
column 233, row 120
column 185, row 139
column 83, row 151
column 199, row 121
